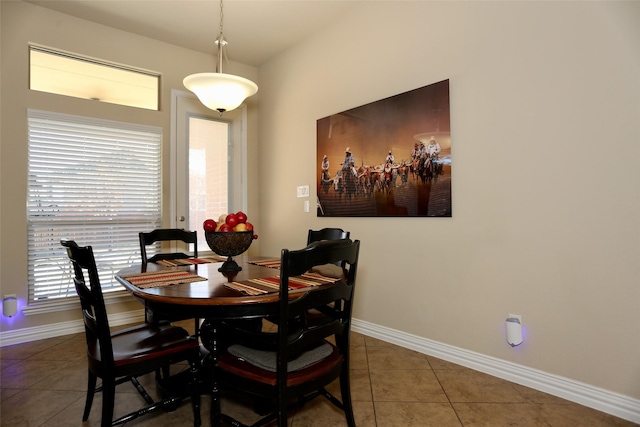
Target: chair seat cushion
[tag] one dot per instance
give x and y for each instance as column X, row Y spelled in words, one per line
column 329, row 270
column 267, row 359
column 327, row 368
column 136, row 344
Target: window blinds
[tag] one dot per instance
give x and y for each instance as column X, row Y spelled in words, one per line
column 97, row 182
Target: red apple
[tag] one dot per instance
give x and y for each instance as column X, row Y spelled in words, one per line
column 226, row 228
column 242, row 217
column 249, row 226
column 232, row 220
column 209, row 225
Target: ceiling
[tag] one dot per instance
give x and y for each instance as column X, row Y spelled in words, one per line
column 256, row 30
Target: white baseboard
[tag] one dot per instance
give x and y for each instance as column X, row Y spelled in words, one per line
column 606, row 401
column 20, row 336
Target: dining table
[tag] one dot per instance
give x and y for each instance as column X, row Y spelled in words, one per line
column 196, row 289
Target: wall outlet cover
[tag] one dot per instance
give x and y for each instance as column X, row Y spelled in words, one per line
column 515, row 316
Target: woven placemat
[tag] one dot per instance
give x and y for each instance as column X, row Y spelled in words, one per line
column 189, row 261
column 265, row 285
column 154, row 279
column 271, row 263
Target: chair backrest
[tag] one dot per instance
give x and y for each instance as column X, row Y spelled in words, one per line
column 94, row 313
column 334, row 302
column 327, row 234
column 165, row 235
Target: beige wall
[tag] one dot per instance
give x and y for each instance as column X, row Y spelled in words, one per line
column 545, row 131
column 23, row 23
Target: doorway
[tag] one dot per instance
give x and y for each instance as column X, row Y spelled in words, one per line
column 208, row 163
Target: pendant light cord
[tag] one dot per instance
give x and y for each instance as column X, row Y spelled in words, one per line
column 221, row 16
column 221, row 41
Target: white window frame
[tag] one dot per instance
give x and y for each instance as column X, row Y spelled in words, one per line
column 95, row 181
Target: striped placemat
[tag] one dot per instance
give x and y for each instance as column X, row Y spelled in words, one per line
column 265, row 285
column 154, row 279
column 189, row 261
column 271, row 263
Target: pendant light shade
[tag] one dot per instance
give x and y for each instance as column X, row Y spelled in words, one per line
column 219, row 91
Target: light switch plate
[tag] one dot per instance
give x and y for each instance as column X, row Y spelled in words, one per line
column 303, row 191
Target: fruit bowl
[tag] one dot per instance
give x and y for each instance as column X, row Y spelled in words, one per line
column 229, row 244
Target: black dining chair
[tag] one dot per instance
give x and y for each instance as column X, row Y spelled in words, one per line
column 229, row 329
column 295, row 364
column 124, row 355
column 327, row 234
column 167, row 235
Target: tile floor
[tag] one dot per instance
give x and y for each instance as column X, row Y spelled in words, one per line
column 42, row 383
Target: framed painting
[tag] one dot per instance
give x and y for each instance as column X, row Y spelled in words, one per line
column 389, row 158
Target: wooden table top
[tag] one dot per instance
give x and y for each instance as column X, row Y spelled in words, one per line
column 209, row 292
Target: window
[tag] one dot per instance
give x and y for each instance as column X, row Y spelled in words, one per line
column 72, row 75
column 95, row 181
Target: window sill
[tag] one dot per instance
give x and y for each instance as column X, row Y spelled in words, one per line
column 72, row 303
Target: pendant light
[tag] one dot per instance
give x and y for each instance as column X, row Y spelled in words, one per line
column 219, row 91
